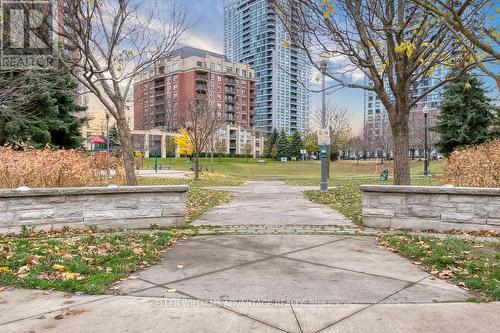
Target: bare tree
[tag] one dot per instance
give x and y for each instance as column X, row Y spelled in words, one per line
column 337, row 121
column 395, row 44
column 111, row 42
column 356, row 145
column 475, row 24
column 202, row 124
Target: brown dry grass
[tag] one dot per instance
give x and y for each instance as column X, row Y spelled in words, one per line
column 476, row 166
column 56, row 168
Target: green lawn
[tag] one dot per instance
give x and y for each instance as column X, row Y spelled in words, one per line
column 299, row 170
column 76, row 260
column 471, row 264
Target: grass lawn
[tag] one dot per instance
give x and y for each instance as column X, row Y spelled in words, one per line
column 199, row 200
column 472, row 264
column 206, row 179
column 299, row 170
column 78, row 260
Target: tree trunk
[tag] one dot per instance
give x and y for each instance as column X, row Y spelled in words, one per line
column 197, row 166
column 401, row 135
column 127, row 150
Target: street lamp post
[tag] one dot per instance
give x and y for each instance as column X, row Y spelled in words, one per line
column 426, row 149
column 107, row 144
column 324, row 147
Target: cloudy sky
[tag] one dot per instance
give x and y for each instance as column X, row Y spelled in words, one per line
column 208, row 33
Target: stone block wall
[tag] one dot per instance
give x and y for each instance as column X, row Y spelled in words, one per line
column 105, row 207
column 431, row 208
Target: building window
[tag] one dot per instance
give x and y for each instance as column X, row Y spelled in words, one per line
column 219, row 67
column 212, row 66
column 229, row 69
column 244, row 73
column 199, row 64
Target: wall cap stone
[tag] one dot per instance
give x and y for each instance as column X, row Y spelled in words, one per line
column 431, row 190
column 61, row 191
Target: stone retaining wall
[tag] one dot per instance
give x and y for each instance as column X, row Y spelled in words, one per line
column 106, row 207
column 431, row 208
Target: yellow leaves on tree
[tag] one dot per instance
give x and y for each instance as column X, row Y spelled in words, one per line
column 329, row 9
column 467, row 85
column 406, row 48
column 184, row 142
column 286, row 44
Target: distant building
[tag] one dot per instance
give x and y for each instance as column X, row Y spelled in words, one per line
column 189, row 73
column 254, row 35
column 377, row 130
column 236, row 139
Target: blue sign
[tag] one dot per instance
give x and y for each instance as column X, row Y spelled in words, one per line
column 323, row 151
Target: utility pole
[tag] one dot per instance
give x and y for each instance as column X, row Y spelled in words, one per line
column 324, row 147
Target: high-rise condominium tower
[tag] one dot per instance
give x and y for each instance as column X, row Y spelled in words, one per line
column 254, row 35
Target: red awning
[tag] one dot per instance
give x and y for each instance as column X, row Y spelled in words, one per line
column 97, row 139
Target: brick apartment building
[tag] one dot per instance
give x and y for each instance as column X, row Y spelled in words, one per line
column 190, row 73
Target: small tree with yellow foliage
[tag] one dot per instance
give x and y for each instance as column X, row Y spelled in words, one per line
column 184, row 142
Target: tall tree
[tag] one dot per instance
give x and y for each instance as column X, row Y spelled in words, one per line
column 111, row 43
column 282, row 145
column 395, row 44
column 43, row 111
column 114, row 138
column 271, row 140
column 466, row 115
column 202, row 124
column 295, row 144
column 311, row 143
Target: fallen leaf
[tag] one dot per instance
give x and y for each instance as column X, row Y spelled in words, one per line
column 171, row 290
column 68, row 313
column 72, row 276
column 180, row 266
column 5, row 270
column 59, row 268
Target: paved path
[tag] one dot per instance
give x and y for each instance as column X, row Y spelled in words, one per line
column 271, row 203
column 263, row 282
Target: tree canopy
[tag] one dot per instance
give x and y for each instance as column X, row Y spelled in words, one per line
column 42, row 111
column 466, row 115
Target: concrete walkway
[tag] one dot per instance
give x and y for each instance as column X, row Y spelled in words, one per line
column 37, row 311
column 263, row 283
column 271, row 203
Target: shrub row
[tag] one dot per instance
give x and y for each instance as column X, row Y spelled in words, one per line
column 57, row 168
column 475, row 166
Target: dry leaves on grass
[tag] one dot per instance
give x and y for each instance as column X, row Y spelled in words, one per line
column 472, row 264
column 199, row 201
column 81, row 262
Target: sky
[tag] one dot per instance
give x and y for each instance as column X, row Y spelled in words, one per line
column 208, row 33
